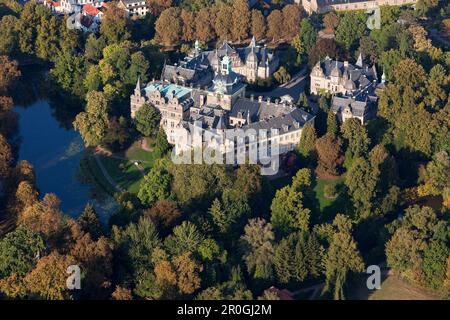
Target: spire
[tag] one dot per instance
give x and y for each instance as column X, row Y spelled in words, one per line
column 359, row 62
column 383, row 77
column 248, row 117
column 137, row 90
column 253, row 42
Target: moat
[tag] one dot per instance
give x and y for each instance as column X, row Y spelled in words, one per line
column 56, row 153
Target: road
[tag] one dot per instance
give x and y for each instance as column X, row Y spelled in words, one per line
column 293, row 87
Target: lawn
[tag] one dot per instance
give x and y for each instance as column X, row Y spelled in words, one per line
column 122, row 168
column 392, row 288
column 330, row 207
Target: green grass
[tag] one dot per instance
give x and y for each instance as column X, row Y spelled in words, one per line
column 124, row 172
column 392, row 288
column 328, row 208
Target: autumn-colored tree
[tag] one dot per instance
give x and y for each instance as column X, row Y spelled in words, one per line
column 204, row 25
column 437, row 177
column 43, row 217
column 291, row 21
column 275, row 25
column 5, row 157
column 188, row 273
column 241, row 20
column 329, row 154
column 9, row 73
column 158, row 6
column 114, row 26
column 323, row 48
column 121, row 293
column 188, row 19
column 26, row 196
column 331, row 21
column 168, row 27
column 223, row 25
column 258, row 25
column 48, row 279
column 163, row 213
column 332, row 123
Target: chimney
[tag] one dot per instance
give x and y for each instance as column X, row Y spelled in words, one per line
column 268, row 100
column 260, row 99
column 345, row 64
column 252, row 97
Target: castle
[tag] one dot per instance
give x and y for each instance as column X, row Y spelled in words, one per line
column 322, row 6
column 353, row 87
column 221, row 106
column 252, row 63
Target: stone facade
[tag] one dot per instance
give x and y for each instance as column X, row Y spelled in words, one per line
column 252, row 63
column 221, row 106
column 322, row 6
column 353, row 87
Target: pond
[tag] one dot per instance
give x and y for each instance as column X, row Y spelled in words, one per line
column 56, row 153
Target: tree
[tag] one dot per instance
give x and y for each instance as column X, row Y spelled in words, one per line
column 307, row 141
column 357, row 137
column 408, row 73
column 203, row 27
column 331, row 21
column 258, row 28
column 162, row 146
column 306, row 36
column 283, row 260
column 368, row 48
column 241, row 19
column 361, row 183
column 121, row 293
column 93, row 122
column 163, row 213
column 437, row 177
column 185, row 238
column 329, row 154
column 168, row 27
column 158, row 6
column 258, row 243
column 291, row 20
column 147, row 120
column 135, row 245
column 437, row 84
column 332, row 123
column 48, row 280
column 68, row 72
column 434, row 264
column 9, row 73
column 188, row 273
column 19, row 251
column 93, row 50
column 114, row 26
column 47, row 38
column 5, row 157
column 275, row 25
column 351, row 28
column 223, row 25
column 155, row 186
column 90, row 223
column 229, row 211
column 342, row 257
column 282, row 75
column 188, row 20
column 322, row 48
column 8, row 35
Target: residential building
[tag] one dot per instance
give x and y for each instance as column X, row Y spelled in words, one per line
column 134, row 8
column 322, row 6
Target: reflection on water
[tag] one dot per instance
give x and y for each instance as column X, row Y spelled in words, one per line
column 55, row 153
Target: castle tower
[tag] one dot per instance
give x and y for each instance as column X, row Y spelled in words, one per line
column 359, row 62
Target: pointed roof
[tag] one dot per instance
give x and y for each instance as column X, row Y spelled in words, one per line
column 253, row 42
column 359, row 62
column 138, row 84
